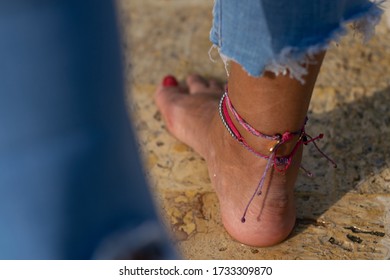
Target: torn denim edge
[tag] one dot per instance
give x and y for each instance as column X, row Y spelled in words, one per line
column 294, row 61
column 223, row 57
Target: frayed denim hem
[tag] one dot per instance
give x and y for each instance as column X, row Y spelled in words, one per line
column 294, row 61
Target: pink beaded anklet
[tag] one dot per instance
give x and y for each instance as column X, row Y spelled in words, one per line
column 280, row 163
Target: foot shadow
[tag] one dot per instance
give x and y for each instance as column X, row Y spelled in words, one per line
column 357, row 137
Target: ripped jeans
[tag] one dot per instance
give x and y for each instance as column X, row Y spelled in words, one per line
column 282, row 35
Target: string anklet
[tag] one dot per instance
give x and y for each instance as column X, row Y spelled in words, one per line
column 279, row 163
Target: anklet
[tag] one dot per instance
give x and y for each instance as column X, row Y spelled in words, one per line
column 279, row 163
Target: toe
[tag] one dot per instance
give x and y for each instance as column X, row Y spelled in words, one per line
column 170, row 81
column 165, row 99
column 165, row 95
column 168, row 88
column 197, row 84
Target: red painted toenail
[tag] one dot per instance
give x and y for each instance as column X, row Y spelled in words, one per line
column 170, row 81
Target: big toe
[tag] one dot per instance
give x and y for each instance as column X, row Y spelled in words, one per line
column 167, row 91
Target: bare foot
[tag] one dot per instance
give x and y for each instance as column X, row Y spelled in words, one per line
column 191, row 115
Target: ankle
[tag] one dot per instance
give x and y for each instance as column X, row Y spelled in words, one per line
column 272, row 103
column 281, row 144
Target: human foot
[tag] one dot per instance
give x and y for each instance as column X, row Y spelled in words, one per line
column 191, row 115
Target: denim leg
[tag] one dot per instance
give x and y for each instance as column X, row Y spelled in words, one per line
column 279, row 35
column 71, row 182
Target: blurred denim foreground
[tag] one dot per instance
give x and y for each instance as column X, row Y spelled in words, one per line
column 71, row 184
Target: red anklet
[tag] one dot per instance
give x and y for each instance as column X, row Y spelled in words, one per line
column 280, row 163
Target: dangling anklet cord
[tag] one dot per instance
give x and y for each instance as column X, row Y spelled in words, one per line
column 280, row 163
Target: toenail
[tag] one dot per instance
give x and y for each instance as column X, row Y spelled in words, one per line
column 170, row 81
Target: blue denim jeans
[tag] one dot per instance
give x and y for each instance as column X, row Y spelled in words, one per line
column 281, row 35
column 71, row 182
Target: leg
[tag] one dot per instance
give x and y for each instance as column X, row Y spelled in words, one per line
column 272, row 104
